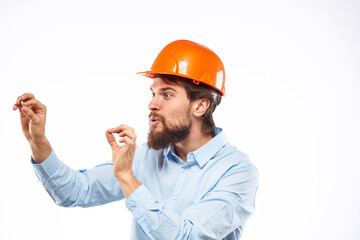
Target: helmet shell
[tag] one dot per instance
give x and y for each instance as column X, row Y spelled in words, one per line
column 191, row 60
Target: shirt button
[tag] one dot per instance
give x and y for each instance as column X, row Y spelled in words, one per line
column 132, row 208
column 174, row 197
column 149, row 230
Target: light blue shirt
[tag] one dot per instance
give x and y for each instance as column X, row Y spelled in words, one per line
column 209, row 197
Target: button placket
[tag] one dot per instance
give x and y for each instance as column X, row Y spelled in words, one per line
column 178, row 186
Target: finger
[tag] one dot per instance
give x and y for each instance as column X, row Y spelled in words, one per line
column 128, row 142
column 131, row 143
column 120, row 128
column 24, row 97
column 34, row 104
column 23, row 118
column 31, row 115
column 21, row 98
column 128, row 133
column 17, row 106
column 31, row 101
column 111, row 140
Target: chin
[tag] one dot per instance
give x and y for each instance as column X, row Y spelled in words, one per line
column 156, row 128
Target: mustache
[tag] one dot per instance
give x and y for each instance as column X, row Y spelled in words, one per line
column 156, row 115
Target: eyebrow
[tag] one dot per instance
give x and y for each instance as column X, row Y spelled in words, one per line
column 165, row 89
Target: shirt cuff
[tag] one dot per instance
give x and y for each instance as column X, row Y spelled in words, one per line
column 48, row 167
column 140, row 203
column 142, row 199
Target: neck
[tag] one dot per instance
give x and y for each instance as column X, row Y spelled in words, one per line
column 194, row 141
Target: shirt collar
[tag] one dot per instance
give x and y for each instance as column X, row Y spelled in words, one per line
column 203, row 154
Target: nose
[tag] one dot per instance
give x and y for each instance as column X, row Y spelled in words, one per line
column 154, row 104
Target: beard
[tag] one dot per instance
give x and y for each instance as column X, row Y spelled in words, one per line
column 170, row 133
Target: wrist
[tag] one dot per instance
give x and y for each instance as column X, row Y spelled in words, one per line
column 125, row 177
column 128, row 183
column 38, row 140
column 40, row 148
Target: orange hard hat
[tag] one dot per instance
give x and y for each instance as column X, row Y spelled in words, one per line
column 190, row 60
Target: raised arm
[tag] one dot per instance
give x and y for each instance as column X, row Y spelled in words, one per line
column 33, row 118
column 67, row 187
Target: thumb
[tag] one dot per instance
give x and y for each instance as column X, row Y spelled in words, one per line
column 31, row 115
column 111, row 140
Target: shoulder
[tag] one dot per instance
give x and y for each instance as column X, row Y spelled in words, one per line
column 230, row 152
column 237, row 170
column 230, row 160
column 231, row 156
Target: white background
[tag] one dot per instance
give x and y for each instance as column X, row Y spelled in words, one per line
column 292, row 104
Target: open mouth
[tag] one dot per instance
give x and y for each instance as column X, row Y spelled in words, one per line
column 154, row 121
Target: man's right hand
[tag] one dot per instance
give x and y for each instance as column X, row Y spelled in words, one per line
column 33, row 118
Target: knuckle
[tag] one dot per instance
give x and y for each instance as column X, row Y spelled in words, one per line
column 29, row 95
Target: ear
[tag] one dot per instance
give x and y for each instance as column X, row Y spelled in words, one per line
column 200, row 106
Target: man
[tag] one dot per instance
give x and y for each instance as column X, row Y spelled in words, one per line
column 187, row 182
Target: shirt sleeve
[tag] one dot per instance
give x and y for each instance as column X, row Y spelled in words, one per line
column 223, row 209
column 84, row 188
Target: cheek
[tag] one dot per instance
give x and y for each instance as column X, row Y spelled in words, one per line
column 177, row 113
column 178, row 118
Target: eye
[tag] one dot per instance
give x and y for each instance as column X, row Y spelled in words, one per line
column 167, row 95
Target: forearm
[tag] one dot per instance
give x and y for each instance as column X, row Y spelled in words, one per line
column 40, row 149
column 157, row 221
column 211, row 214
column 207, row 219
column 84, row 188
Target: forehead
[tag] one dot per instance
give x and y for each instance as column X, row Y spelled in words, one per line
column 161, row 83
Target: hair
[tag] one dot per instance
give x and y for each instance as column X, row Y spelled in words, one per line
column 199, row 91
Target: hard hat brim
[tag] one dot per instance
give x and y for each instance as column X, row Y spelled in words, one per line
column 151, row 74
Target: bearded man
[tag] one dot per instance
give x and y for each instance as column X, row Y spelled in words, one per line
column 187, row 182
